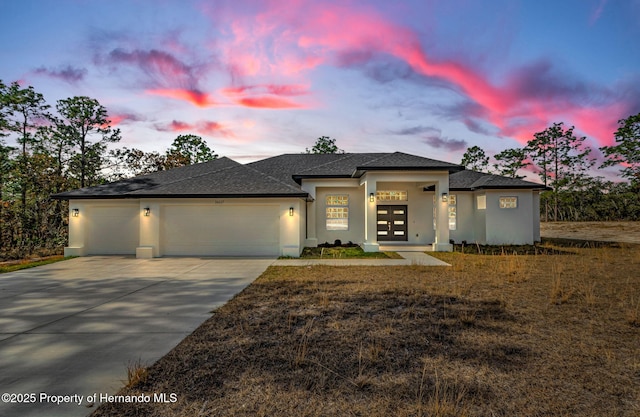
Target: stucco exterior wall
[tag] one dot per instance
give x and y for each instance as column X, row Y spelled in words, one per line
column 355, row 232
column 120, row 226
column 302, row 226
column 103, row 225
column 536, row 216
column 480, row 220
column 420, row 203
column 419, row 211
column 465, row 217
column 509, row 226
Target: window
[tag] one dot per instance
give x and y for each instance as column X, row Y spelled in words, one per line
column 481, row 202
column 452, row 212
column 435, row 220
column 452, row 199
column 391, row 195
column 508, row 202
column 337, row 200
column 337, row 214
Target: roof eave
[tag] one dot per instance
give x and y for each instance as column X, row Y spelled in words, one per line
column 298, row 178
column 361, row 170
column 511, row 187
column 504, row 187
column 140, row 196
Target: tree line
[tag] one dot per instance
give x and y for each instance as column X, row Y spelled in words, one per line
column 565, row 165
column 60, row 149
column 65, row 146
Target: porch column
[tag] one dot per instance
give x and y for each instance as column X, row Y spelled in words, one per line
column 441, row 243
column 370, row 235
column 311, row 232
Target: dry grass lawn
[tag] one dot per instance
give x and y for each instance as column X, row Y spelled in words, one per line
column 627, row 232
column 504, row 335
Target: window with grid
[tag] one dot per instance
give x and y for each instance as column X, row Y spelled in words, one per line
column 452, row 212
column 337, row 212
column 391, row 195
column 508, row 202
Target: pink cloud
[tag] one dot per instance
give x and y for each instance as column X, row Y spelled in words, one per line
column 598, row 123
column 177, row 126
column 202, row 127
column 164, row 74
column 268, row 102
column 122, row 118
column 266, row 96
column 214, row 129
column 289, row 38
column 160, row 66
column 275, row 89
column 197, row 98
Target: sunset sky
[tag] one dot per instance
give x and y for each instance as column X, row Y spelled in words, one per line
column 261, row 78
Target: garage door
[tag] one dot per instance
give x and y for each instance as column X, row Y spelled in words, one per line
column 113, row 230
column 220, row 230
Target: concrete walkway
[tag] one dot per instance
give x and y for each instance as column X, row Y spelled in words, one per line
column 72, row 327
column 410, row 258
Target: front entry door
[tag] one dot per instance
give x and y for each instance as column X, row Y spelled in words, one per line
column 392, row 223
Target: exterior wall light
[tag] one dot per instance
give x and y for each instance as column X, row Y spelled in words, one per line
column 372, row 197
column 75, row 212
column 147, row 211
column 290, row 211
column 445, row 197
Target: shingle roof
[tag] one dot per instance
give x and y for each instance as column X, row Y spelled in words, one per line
column 400, row 160
column 345, row 165
column 280, row 176
column 218, row 178
column 284, row 166
column 473, row 180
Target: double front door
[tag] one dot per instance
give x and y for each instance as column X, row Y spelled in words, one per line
column 392, row 223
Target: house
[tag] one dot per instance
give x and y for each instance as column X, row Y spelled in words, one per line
column 279, row 205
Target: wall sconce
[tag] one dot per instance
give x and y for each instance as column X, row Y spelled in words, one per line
column 445, row 197
column 75, row 212
column 290, row 211
column 372, row 198
column 147, row 211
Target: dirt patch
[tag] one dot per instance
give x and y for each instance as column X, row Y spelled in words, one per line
column 623, row 232
column 490, row 336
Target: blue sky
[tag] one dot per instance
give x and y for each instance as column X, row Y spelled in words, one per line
column 260, row 78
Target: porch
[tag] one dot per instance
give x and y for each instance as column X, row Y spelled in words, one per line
column 404, row 211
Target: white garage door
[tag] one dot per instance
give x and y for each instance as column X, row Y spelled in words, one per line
column 220, row 230
column 113, row 230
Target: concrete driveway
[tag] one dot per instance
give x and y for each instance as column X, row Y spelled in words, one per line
column 71, row 328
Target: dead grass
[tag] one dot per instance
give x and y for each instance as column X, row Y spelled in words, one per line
column 16, row 265
column 510, row 335
column 136, row 374
column 625, row 231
